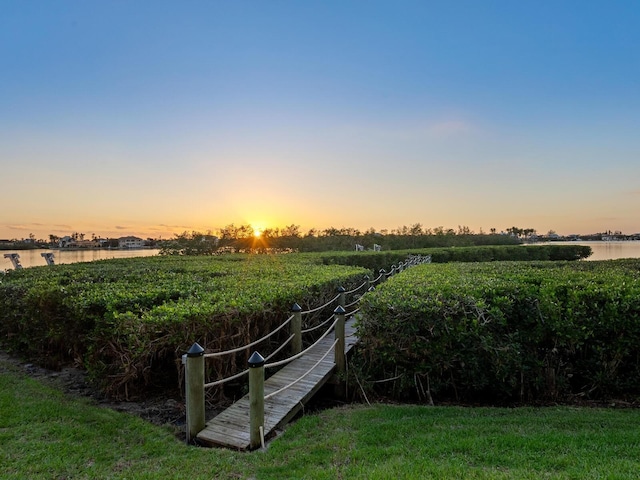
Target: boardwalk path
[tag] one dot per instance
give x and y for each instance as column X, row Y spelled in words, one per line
column 231, row 428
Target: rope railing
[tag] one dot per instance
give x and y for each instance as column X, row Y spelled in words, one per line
column 352, row 313
column 225, row 380
column 277, row 350
column 256, row 342
column 273, row 354
column 357, row 300
column 375, row 280
column 313, row 310
column 238, row 375
column 298, row 355
column 356, row 289
column 311, row 329
column 273, row 394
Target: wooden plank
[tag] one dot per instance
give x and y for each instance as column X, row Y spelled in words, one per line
column 231, row 427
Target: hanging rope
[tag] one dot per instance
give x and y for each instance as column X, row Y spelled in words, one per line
column 352, row 313
column 355, row 289
column 225, row 380
column 321, row 306
column 357, row 300
column 239, row 349
column 286, row 342
column 318, row 326
column 375, row 280
column 287, row 360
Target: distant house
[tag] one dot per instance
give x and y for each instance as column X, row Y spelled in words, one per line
column 69, row 242
column 65, row 241
column 130, row 242
column 85, row 244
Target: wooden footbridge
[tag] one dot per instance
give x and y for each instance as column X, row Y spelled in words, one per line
column 273, row 403
column 231, row 427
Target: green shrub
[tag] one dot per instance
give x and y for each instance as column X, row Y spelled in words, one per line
column 507, row 331
column 128, row 321
column 382, row 260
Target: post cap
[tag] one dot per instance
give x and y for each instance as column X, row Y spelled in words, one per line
column 382, row 270
column 341, row 289
column 195, row 351
column 296, row 308
column 339, row 310
column 256, row 360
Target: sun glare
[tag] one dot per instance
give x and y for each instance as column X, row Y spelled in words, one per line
column 257, row 232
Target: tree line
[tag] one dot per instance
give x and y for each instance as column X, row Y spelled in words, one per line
column 243, row 238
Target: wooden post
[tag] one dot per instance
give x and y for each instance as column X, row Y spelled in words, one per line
column 339, row 350
column 256, row 400
column 367, row 281
column 383, row 275
column 339, row 356
column 342, row 301
column 194, row 386
column 296, row 329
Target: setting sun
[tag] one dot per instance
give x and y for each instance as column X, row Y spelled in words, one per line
column 257, row 232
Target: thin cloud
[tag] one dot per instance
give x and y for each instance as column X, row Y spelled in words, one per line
column 436, row 130
column 164, row 225
column 119, row 227
column 450, row 128
column 26, row 227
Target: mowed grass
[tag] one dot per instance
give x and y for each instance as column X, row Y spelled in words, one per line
column 46, row 434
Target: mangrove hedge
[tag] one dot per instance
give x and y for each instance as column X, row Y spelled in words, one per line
column 128, row 321
column 505, row 332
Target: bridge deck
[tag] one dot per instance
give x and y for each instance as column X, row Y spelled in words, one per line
column 231, row 428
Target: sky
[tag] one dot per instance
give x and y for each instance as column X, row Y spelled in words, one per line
column 151, row 118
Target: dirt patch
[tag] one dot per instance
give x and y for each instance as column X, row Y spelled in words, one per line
column 159, row 409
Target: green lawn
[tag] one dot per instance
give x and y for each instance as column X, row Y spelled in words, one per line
column 45, row 434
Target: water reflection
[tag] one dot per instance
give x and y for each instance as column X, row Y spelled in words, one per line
column 609, row 250
column 33, row 258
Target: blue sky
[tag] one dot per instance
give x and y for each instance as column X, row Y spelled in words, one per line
column 152, row 118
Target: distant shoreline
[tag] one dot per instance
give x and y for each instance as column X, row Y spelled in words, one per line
column 76, row 249
column 71, row 249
